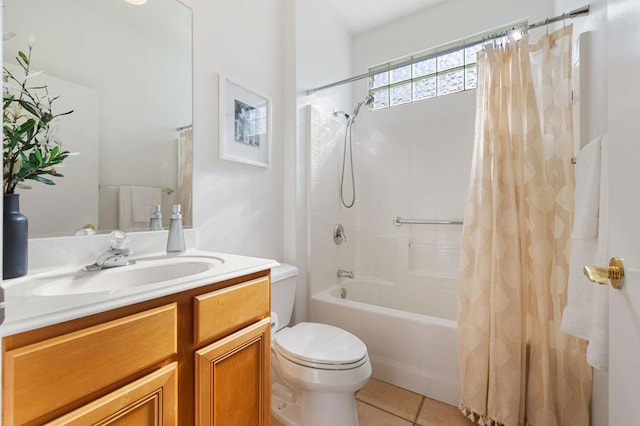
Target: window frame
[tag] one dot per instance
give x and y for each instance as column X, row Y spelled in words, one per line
column 383, row 93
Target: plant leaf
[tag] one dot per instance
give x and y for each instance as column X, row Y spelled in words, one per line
column 63, row 113
column 8, row 101
column 24, row 57
column 38, row 155
column 30, row 107
column 30, row 148
column 41, row 179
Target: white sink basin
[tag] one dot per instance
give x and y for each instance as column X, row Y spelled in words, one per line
column 152, row 271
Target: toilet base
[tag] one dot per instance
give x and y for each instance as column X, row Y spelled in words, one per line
column 315, row 409
column 287, row 413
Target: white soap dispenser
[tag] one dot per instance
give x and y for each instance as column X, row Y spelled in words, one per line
column 175, row 242
column 156, row 219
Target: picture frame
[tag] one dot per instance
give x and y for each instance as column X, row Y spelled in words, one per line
column 245, row 124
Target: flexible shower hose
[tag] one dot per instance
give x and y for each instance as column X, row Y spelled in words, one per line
column 347, row 140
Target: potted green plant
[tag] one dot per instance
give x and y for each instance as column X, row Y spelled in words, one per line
column 30, row 151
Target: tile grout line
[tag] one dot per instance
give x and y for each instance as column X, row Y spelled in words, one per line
column 415, row 421
column 383, row 410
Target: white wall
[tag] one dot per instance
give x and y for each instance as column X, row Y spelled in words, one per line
column 237, row 208
column 323, row 55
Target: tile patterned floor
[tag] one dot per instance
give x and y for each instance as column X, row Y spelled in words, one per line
column 383, row 404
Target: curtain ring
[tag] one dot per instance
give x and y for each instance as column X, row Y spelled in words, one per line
column 546, row 24
column 564, row 21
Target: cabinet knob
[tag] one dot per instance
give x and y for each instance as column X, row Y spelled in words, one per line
column 604, row 275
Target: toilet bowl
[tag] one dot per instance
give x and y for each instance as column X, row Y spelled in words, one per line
column 317, row 368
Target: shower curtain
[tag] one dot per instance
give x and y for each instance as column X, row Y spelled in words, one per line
column 185, row 174
column 516, row 366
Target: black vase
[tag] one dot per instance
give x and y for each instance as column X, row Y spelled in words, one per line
column 14, row 238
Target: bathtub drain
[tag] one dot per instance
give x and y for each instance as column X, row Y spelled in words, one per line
column 343, row 293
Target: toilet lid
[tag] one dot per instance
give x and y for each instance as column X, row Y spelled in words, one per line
column 320, row 346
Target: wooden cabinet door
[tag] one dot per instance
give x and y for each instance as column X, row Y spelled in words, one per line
column 150, row 401
column 233, row 379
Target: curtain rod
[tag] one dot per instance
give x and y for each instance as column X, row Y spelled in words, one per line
column 573, row 14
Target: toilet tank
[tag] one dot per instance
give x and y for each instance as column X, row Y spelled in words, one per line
column 283, row 292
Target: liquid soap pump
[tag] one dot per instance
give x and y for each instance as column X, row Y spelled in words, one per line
column 175, row 242
column 156, row 219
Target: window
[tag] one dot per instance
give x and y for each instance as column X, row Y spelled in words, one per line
column 436, row 72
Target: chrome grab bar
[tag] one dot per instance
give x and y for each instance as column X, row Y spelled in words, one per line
column 400, row 221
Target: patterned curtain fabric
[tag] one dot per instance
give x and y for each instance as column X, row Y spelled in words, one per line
column 185, row 175
column 516, row 366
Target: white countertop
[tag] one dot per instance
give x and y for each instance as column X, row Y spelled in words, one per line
column 25, row 310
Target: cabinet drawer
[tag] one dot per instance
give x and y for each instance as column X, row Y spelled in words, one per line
column 231, row 308
column 55, row 372
column 152, row 400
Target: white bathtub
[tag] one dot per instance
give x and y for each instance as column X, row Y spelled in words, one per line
column 409, row 329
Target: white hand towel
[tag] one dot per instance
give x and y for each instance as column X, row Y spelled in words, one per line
column 577, row 315
column 143, row 198
column 124, row 208
column 598, row 347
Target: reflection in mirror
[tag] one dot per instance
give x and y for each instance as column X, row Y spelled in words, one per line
column 125, row 71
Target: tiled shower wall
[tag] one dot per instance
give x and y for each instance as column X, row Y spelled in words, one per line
column 412, row 161
column 325, row 211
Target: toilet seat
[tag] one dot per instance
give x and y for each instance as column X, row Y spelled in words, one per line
column 320, row 346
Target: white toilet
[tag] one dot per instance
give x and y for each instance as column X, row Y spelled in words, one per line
column 316, row 368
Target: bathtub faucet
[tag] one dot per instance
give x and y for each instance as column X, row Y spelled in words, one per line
column 345, row 274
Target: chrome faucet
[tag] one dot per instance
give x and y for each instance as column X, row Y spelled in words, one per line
column 345, row 274
column 118, row 255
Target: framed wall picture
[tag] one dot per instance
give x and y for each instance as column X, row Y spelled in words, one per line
column 245, row 124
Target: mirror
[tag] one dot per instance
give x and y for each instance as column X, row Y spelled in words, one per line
column 125, row 71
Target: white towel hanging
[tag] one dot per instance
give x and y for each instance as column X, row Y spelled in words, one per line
column 586, row 314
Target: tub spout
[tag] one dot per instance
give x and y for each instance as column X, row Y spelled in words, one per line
column 345, row 274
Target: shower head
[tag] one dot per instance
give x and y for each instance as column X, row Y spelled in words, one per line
column 368, row 100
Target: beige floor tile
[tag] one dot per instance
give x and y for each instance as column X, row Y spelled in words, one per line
column 372, row 416
column 274, row 422
column 436, row 413
column 393, row 399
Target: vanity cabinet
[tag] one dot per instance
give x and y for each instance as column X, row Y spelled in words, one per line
column 199, row 357
column 232, row 374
